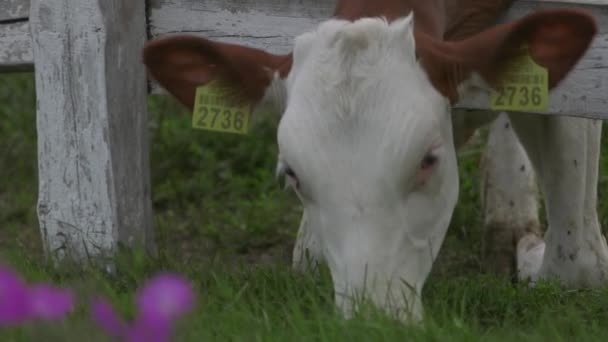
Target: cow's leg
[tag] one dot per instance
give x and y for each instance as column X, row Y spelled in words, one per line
column 508, row 196
column 307, row 252
column 565, row 153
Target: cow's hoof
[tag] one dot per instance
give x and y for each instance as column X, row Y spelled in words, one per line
column 578, row 266
column 530, row 251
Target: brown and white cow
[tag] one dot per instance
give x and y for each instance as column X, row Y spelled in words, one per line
column 366, row 136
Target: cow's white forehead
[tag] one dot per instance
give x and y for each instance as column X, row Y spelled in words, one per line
column 343, row 44
column 356, row 93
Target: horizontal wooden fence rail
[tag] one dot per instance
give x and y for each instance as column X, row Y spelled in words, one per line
column 14, row 10
column 91, row 87
column 15, row 39
column 272, row 25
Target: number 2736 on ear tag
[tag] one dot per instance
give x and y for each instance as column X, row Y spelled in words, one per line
column 213, row 111
column 525, row 87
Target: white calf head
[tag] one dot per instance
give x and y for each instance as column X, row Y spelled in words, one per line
column 365, row 136
column 366, row 142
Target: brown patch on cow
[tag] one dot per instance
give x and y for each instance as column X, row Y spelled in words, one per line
column 468, row 17
column 450, row 20
column 427, row 14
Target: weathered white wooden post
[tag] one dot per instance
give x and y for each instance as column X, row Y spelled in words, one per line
column 92, row 125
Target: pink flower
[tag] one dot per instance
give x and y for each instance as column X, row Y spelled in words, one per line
column 18, row 303
column 49, row 303
column 165, row 297
column 13, row 298
column 144, row 330
column 160, row 302
column 107, row 318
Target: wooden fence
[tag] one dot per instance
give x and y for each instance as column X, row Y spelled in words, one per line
column 94, row 184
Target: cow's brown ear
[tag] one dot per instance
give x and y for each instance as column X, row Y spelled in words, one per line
column 182, row 63
column 555, row 39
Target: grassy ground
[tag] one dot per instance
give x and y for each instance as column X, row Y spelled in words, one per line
column 222, row 219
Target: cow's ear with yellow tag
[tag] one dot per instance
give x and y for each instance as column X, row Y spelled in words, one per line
column 556, row 39
column 215, row 110
column 197, row 71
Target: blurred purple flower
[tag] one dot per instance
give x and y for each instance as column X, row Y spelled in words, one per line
column 13, row 298
column 107, row 318
column 19, row 303
column 161, row 301
column 146, row 330
column 49, row 303
column 165, row 297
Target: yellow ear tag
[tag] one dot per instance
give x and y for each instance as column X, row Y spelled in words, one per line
column 525, row 87
column 213, row 111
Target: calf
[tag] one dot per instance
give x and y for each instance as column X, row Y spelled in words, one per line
column 366, row 137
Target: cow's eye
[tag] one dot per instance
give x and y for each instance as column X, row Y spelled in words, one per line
column 429, row 161
column 428, row 164
column 291, row 179
column 427, row 168
column 289, row 172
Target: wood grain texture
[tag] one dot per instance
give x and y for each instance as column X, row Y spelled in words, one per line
column 11, row 10
column 577, row 2
column 94, row 189
column 15, row 47
column 268, row 24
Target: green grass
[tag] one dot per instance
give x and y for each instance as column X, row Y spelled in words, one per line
column 273, row 304
column 222, row 220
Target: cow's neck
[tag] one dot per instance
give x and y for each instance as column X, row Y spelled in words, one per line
column 449, row 19
column 429, row 14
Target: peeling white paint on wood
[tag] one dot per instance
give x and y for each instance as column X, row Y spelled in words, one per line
column 14, row 9
column 94, row 186
column 15, row 46
column 270, row 24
